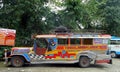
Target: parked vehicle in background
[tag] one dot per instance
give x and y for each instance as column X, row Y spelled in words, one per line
column 63, row 48
column 114, row 46
column 7, row 39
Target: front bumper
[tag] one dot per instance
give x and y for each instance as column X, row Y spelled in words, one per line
column 103, row 59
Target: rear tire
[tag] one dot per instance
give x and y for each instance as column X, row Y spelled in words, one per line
column 17, row 61
column 113, row 54
column 84, row 62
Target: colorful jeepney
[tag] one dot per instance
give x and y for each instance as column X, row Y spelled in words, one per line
column 83, row 49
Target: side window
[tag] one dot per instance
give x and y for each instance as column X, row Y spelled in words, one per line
column 87, row 41
column 75, row 41
column 112, row 42
column 116, row 42
column 62, row 41
column 42, row 43
column 105, row 41
column 98, row 41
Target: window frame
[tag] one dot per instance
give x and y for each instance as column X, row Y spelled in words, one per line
column 65, row 43
column 75, row 39
column 83, row 43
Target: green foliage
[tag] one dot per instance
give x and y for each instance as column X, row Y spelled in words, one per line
column 25, row 16
column 78, row 12
column 111, row 13
column 2, row 48
column 33, row 17
column 73, row 13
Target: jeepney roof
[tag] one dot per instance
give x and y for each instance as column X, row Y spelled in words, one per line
column 74, row 36
column 45, row 36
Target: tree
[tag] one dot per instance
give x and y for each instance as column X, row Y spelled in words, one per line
column 111, row 14
column 25, row 16
column 73, row 14
column 94, row 9
column 79, row 13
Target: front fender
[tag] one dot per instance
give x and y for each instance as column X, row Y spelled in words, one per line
column 25, row 56
column 89, row 54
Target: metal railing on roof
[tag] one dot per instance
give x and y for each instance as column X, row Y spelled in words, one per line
column 85, row 31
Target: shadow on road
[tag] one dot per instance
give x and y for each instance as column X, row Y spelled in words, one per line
column 61, row 66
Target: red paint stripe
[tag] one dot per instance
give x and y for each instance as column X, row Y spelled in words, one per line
column 102, row 61
column 62, row 55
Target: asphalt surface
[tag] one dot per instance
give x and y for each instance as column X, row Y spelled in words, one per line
column 115, row 67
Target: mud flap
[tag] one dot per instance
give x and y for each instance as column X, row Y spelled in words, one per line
column 110, row 61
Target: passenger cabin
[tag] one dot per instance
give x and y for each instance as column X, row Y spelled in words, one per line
column 71, row 43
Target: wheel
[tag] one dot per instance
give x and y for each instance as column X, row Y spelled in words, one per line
column 17, row 61
column 113, row 54
column 84, row 62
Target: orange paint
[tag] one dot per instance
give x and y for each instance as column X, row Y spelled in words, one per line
column 7, row 37
column 60, row 47
column 84, row 47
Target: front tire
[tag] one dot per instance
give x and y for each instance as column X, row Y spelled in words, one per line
column 113, row 54
column 84, row 62
column 17, row 61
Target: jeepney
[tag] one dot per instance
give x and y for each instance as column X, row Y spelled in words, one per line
column 82, row 49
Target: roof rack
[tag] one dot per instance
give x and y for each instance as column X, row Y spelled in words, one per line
column 64, row 30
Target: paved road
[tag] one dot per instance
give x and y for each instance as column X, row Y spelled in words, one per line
column 115, row 67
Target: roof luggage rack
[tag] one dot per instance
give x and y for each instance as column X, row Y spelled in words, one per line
column 63, row 30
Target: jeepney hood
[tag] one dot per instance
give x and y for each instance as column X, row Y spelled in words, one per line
column 21, row 50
